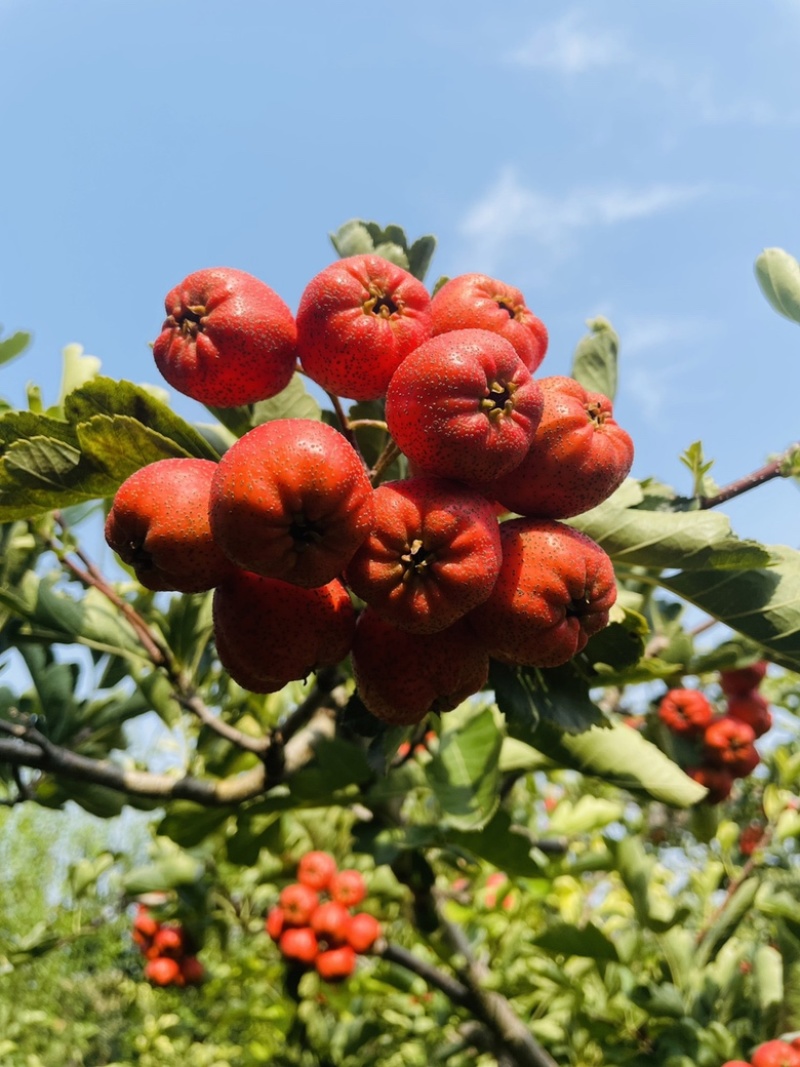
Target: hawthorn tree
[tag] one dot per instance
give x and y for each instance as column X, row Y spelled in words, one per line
column 519, row 851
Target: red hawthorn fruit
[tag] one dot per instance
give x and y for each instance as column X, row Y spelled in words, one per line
column 728, row 743
column 299, row 943
column 433, row 555
column 228, row 339
column 144, row 924
column 555, row 589
column 751, row 708
column 736, row 1063
column 169, row 941
column 316, row 869
column 493, row 883
column 471, row 301
column 270, row 632
column 740, row 681
column 163, row 970
column 717, row 780
column 158, row 525
column 401, row 676
column 357, row 321
column 330, row 922
column 578, row 456
column 685, row 711
column 464, row 406
column 349, row 888
column 775, row 1053
column 275, row 923
column 336, row 964
column 291, row 500
column 192, row 970
column 298, row 902
column 363, row 931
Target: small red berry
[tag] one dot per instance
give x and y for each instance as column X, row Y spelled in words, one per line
column 363, row 931
column 685, row 711
column 316, row 870
column 299, row 943
column 349, row 888
column 275, row 923
column 330, row 922
column 336, row 964
column 716, row 780
column 741, row 680
column 298, row 903
column 163, row 970
column 751, row 708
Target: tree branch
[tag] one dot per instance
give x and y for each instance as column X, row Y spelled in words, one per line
column 778, row 468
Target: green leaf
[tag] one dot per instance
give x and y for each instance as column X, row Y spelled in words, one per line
column 768, row 978
column 587, row 814
column 762, row 604
column 105, row 396
column 294, row 402
column 420, row 255
column 500, row 845
column 622, row 757
column 594, row 364
column 464, row 773
column 352, row 239
column 187, row 824
column 727, row 920
column 78, row 369
column 564, row 939
column 170, row 872
column 336, row 765
column 559, row 695
column 686, row 540
column 13, row 346
column 778, row 275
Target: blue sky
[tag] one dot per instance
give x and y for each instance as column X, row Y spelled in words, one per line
column 620, row 158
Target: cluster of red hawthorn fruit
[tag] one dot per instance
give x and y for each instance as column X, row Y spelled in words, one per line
column 169, row 950
column 314, row 924
column 776, row 1053
column 722, row 741
column 310, row 561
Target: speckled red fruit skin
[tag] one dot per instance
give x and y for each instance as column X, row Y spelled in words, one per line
column 402, row 676
column 464, row 406
column 336, row 964
column 298, row 903
column 357, row 321
column 739, row 681
column 728, row 743
column 433, row 555
column 753, row 709
column 578, row 456
column 269, row 633
column 685, row 711
column 716, row 780
column 228, row 338
column 158, row 525
column 291, row 500
column 471, row 301
column 555, row 589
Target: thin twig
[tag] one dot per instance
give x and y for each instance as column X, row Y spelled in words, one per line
column 778, row 468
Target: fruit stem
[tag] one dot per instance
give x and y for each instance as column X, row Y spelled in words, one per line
column 384, row 460
column 782, row 467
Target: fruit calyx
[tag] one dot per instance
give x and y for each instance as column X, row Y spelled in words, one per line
column 499, row 400
column 597, row 413
column 305, row 532
column 416, row 560
column 381, row 303
column 189, row 320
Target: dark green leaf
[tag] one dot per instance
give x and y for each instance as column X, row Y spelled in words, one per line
column 594, row 364
column 420, row 255
column 294, row 402
column 564, row 939
column 188, row 824
column 173, row 870
column 559, row 695
column 500, row 845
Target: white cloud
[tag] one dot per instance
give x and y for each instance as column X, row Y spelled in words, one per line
column 510, row 213
column 571, row 47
